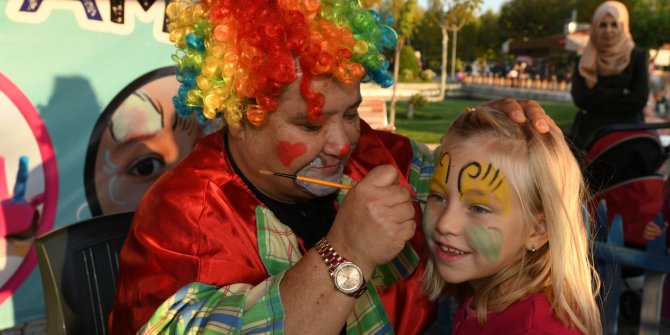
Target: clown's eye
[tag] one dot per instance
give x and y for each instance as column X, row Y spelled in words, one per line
column 351, row 115
column 311, row 127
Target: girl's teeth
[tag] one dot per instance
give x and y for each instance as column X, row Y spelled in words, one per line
column 452, row 251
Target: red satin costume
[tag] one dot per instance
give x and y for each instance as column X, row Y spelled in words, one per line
column 203, row 200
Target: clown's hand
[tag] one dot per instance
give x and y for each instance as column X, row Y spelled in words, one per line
column 520, row 110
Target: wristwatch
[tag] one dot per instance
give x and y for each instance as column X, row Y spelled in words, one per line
column 347, row 276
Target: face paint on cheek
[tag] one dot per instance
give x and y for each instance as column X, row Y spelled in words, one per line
column 484, row 179
column 287, row 152
column 346, row 149
column 428, row 223
column 487, row 242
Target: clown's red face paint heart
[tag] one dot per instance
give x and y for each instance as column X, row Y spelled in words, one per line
column 287, row 152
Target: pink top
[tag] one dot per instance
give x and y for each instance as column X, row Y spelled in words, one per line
column 530, row 315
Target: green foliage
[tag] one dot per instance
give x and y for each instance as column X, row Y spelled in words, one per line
column 418, row 100
column 406, row 75
column 649, row 26
column 428, row 40
column 427, row 75
column 407, row 18
column 408, row 62
column 534, row 18
column 458, row 63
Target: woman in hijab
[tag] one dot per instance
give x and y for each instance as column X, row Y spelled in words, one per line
column 610, row 83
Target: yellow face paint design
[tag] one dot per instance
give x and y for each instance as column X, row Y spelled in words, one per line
column 483, row 183
column 438, row 183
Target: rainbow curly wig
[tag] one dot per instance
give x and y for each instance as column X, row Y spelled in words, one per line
column 235, row 55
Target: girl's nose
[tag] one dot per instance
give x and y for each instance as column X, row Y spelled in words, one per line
column 449, row 222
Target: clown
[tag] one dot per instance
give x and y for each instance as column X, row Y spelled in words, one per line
column 218, row 246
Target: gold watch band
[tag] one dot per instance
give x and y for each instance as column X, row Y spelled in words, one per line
column 333, row 260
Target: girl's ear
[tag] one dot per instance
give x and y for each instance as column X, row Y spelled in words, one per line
column 538, row 234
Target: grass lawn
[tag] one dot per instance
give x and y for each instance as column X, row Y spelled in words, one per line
column 431, row 120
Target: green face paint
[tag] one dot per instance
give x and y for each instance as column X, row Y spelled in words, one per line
column 487, row 242
column 482, row 184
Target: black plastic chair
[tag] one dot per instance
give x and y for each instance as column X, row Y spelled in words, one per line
column 79, row 266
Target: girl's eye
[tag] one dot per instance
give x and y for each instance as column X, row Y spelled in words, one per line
column 479, row 209
column 146, row 166
column 437, row 197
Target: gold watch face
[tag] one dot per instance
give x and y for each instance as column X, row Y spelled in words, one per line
column 348, row 277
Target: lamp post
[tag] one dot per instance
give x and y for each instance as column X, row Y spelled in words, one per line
column 572, row 25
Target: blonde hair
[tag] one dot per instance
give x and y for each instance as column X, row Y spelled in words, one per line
column 549, row 184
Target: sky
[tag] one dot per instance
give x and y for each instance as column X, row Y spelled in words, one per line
column 494, row 5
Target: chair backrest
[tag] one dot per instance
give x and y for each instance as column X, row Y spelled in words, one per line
column 79, row 266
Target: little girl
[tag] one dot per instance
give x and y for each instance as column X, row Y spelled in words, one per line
column 505, row 230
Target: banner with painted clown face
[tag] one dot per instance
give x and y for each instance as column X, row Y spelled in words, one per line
column 86, row 124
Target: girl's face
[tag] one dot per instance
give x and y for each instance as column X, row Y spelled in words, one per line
column 473, row 219
column 608, row 31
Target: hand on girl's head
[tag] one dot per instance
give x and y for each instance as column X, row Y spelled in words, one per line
column 521, row 110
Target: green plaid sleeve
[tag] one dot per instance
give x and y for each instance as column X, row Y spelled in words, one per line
column 233, row 309
column 421, row 169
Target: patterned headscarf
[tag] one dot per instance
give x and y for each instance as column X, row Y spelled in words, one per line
column 235, row 56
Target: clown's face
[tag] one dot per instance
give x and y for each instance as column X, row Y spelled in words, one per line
column 289, row 143
column 473, row 219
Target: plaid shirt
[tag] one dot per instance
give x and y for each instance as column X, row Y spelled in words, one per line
column 247, row 309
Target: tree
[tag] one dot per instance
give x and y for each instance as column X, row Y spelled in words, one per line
column 451, row 15
column 404, row 25
column 650, row 23
column 521, row 19
column 427, row 39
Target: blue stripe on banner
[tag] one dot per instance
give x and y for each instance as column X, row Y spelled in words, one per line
column 30, row 5
column 91, row 9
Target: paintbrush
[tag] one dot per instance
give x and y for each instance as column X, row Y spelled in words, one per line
column 318, row 181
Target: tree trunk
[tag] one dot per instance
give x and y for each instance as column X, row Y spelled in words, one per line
column 410, row 111
column 396, row 70
column 443, row 67
column 453, row 56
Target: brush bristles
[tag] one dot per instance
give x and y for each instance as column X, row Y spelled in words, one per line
column 266, row 172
